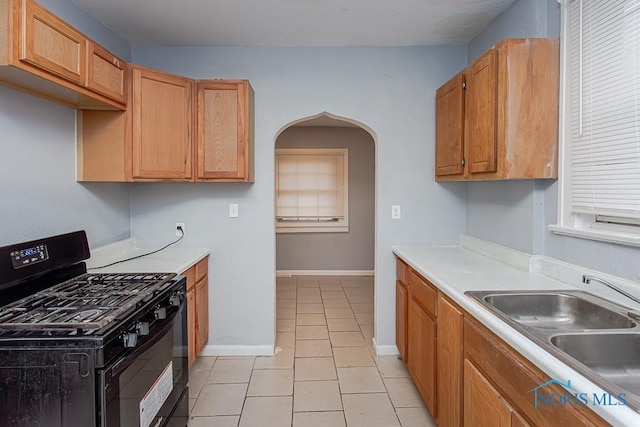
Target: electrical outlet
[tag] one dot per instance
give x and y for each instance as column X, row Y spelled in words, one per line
column 233, row 210
column 395, row 212
column 178, row 226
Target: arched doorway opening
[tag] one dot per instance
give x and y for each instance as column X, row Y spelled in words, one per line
column 325, row 256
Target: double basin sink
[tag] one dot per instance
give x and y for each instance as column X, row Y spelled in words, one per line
column 596, row 337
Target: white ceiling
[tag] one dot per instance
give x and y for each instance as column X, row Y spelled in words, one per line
column 295, row 22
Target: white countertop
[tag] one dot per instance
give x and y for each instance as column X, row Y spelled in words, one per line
column 170, row 260
column 455, row 269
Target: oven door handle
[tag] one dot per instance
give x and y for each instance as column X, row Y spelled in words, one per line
column 156, row 335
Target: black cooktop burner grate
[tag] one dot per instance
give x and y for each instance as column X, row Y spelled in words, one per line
column 86, row 302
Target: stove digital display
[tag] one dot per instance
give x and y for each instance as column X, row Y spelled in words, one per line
column 28, row 256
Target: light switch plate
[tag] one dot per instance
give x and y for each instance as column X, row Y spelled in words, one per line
column 233, row 210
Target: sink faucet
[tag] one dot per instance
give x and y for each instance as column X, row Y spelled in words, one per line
column 587, row 279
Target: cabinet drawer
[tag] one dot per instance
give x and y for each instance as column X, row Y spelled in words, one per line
column 202, row 268
column 423, row 292
column 190, row 274
column 401, row 271
column 514, row 377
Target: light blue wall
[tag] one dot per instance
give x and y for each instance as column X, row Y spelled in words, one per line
column 525, row 18
column 39, row 195
column 38, row 190
column 389, row 90
column 512, row 213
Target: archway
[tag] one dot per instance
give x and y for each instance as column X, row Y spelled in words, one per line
column 326, row 279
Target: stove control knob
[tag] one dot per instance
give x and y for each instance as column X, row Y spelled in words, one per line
column 160, row 313
column 176, row 299
column 129, row 339
column 142, row 328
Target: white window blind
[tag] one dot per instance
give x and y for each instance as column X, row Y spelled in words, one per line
column 311, row 185
column 604, row 102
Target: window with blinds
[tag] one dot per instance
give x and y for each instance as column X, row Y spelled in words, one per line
column 603, row 100
column 599, row 181
column 311, row 190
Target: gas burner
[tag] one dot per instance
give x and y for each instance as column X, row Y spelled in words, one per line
column 87, row 302
column 83, row 316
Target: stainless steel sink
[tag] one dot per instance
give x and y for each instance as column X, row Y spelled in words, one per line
column 557, row 311
column 615, row 356
column 596, row 337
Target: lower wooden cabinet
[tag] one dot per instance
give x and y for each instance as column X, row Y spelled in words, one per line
column 449, row 362
column 466, row 375
column 197, row 308
column 421, row 352
column 483, row 405
column 401, row 319
column 191, row 324
column 513, row 377
column 202, row 314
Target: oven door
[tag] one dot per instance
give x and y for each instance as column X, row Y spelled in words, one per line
column 148, row 385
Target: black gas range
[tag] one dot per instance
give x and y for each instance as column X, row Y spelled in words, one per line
column 89, row 349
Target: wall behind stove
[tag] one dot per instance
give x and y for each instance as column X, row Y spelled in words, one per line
column 39, row 195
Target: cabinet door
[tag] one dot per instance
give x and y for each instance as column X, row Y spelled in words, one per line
column 401, row 319
column 449, row 350
column 51, row 44
column 518, row 421
column 202, row 314
column 481, row 114
column 162, row 125
column 450, row 127
column 191, row 325
column 224, row 137
column 483, row 405
column 106, row 73
column 421, row 346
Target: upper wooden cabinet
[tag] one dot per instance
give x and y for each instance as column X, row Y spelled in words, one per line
column 481, row 109
column 106, row 73
column 501, row 113
column 450, row 127
column 51, row 44
column 224, row 131
column 44, row 55
column 168, row 135
column 162, row 125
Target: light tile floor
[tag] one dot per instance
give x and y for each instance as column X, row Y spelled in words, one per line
column 325, row 372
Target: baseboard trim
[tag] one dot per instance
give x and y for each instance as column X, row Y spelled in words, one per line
column 237, row 350
column 385, row 350
column 289, row 273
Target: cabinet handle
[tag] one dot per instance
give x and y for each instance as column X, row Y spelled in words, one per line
column 462, row 162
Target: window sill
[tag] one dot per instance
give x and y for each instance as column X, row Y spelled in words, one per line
column 603, row 235
column 326, row 229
